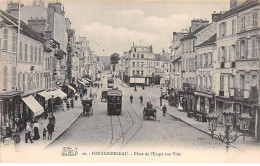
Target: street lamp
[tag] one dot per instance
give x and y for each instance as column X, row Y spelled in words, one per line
column 227, row 138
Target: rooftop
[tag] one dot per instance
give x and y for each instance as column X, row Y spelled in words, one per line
column 210, row 41
column 192, row 34
column 25, row 29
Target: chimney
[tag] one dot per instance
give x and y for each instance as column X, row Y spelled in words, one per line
column 39, row 25
column 233, row 3
column 13, row 8
column 215, row 16
column 196, row 23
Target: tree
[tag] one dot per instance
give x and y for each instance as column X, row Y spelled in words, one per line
column 114, row 58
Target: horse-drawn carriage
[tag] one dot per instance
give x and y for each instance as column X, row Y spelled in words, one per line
column 149, row 112
column 87, row 107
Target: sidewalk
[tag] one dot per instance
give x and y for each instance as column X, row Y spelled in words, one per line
column 244, row 145
column 64, row 119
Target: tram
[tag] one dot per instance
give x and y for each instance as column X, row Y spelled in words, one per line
column 110, row 82
column 114, row 101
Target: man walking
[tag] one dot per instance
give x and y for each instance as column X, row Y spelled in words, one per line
column 50, row 129
column 72, row 103
column 28, row 131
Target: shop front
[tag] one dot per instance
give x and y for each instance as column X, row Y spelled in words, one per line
column 10, row 113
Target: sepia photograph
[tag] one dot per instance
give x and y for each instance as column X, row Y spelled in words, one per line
column 130, row 81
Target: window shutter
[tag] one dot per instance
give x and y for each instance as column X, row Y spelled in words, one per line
column 246, row 49
column 219, row 54
column 5, row 77
column 237, row 49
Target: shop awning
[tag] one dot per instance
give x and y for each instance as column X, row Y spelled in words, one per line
column 85, row 81
column 72, row 88
column 88, row 79
column 45, row 94
column 137, row 80
column 81, row 82
column 36, row 108
column 53, row 93
column 61, row 94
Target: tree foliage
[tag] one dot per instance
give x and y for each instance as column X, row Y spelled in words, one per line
column 114, row 58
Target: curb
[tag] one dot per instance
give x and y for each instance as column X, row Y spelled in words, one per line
column 199, row 129
column 46, row 146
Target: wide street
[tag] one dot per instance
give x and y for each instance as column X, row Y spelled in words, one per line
column 102, row 132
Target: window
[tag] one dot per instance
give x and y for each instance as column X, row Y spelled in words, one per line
column 24, row 82
column 206, row 60
column 200, row 61
column 14, row 77
column 133, row 72
column 222, row 82
column 234, row 27
column 40, row 80
column 6, row 39
column 142, row 72
column 25, row 52
column 31, row 53
column 255, row 19
column 35, row 54
column 206, row 82
column 210, row 59
column 40, row 55
column 254, row 80
column 29, row 85
column 196, row 59
column 133, row 64
column 201, row 82
column 187, row 46
column 13, row 42
column 243, row 49
column 222, row 29
column 187, row 65
column 254, row 48
column 138, row 64
column 243, row 23
column 137, row 72
column 5, row 77
column 242, row 81
column 37, row 79
column 138, row 56
column 21, row 51
column 142, row 55
column 133, row 55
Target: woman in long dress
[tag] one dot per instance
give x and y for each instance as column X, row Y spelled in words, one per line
column 36, row 131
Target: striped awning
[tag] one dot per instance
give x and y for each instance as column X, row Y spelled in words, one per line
column 36, row 108
column 45, row 94
column 72, row 88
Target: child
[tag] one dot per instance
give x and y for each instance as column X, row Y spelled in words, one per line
column 44, row 133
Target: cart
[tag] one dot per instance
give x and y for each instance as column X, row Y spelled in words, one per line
column 149, row 113
column 87, row 107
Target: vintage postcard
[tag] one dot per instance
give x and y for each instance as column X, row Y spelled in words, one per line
column 158, row 81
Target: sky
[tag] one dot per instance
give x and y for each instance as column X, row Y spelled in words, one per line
column 114, row 25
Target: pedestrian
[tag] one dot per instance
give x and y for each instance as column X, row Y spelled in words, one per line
column 50, row 129
column 131, row 99
column 44, row 134
column 164, row 109
column 141, row 99
column 76, row 97
column 28, row 131
column 36, row 127
column 101, row 85
column 160, row 100
column 68, row 105
column 72, row 103
column 17, row 140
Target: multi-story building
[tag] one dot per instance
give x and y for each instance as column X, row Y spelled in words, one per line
column 198, row 35
column 139, row 66
column 204, row 66
column 24, row 67
column 175, row 69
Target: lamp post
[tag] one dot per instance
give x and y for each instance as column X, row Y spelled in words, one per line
column 227, row 138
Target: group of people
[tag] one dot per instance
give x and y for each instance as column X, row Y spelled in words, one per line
column 141, row 99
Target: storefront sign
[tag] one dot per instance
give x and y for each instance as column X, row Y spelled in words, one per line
column 203, row 94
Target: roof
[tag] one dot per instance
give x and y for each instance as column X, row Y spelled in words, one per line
column 242, row 6
column 25, row 29
column 192, row 34
column 210, row 41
